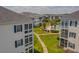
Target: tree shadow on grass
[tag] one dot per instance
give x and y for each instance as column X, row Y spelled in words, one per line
column 36, row 51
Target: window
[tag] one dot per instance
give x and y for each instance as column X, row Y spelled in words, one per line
column 26, row 36
column 26, row 40
column 71, row 34
column 62, row 23
column 15, row 44
column 30, row 39
column 70, row 23
column 30, row 35
column 30, row 26
column 17, row 28
column 30, row 30
column 30, row 43
column 62, row 41
column 26, row 32
column 75, row 23
column 64, row 33
column 66, row 23
column 26, row 45
column 71, row 45
column 26, row 50
column 14, row 28
column 65, row 43
column 30, row 49
column 18, row 43
column 26, row 26
column 21, row 41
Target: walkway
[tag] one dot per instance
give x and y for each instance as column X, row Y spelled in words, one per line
column 48, row 33
column 42, row 43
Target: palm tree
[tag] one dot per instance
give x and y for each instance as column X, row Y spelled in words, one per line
column 54, row 23
column 44, row 25
column 45, row 20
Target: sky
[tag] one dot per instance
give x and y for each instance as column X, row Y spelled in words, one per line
column 44, row 9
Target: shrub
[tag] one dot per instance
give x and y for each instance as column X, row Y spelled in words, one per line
column 54, row 31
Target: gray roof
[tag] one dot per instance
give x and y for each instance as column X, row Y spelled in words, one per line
column 72, row 16
column 10, row 17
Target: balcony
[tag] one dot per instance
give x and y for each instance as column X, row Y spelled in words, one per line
column 63, row 43
column 64, row 24
column 64, row 33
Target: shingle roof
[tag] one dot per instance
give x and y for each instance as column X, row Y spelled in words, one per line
column 72, row 16
column 8, row 17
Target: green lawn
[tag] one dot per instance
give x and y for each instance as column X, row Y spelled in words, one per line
column 37, row 46
column 39, row 31
column 52, row 43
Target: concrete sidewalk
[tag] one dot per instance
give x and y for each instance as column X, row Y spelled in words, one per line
column 45, row 50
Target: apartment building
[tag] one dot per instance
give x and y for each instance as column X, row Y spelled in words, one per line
column 69, row 32
column 36, row 22
column 16, row 35
column 54, row 16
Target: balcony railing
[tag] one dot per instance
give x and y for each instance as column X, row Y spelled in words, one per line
column 64, row 26
column 64, row 33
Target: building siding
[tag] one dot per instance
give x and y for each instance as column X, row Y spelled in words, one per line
column 8, row 37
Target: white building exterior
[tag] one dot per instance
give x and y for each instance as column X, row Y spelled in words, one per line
column 54, row 16
column 69, row 32
column 16, row 35
column 36, row 21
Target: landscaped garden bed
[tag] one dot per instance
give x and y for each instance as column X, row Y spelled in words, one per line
column 54, row 31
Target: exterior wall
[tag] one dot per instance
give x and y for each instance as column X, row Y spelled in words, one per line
column 70, row 39
column 54, row 17
column 74, row 40
column 36, row 22
column 8, row 37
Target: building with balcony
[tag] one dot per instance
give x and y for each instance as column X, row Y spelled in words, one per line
column 16, row 35
column 69, row 32
column 54, row 16
column 37, row 21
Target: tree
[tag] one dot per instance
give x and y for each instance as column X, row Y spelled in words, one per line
column 55, row 22
column 44, row 25
column 45, row 20
column 52, row 23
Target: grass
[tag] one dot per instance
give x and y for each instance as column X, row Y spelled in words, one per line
column 37, row 46
column 52, row 43
column 39, row 31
